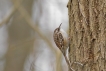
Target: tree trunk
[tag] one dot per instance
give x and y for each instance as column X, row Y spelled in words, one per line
column 87, row 31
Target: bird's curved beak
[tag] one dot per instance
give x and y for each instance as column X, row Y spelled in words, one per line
column 60, row 26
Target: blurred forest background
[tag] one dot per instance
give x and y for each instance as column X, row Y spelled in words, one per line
column 26, row 35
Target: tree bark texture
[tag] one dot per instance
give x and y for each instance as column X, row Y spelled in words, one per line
column 87, row 31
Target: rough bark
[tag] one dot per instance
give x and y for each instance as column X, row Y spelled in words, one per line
column 87, row 31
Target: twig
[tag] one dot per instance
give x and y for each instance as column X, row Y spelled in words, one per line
column 7, row 17
column 26, row 16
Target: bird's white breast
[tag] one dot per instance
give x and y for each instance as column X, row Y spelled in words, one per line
column 64, row 33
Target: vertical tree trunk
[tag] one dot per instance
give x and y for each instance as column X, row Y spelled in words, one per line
column 87, row 30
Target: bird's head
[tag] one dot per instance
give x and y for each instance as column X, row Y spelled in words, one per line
column 58, row 29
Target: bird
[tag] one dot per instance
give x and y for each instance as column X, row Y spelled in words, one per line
column 61, row 40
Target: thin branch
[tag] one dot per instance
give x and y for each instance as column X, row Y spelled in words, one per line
column 7, row 17
column 12, row 11
column 30, row 22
